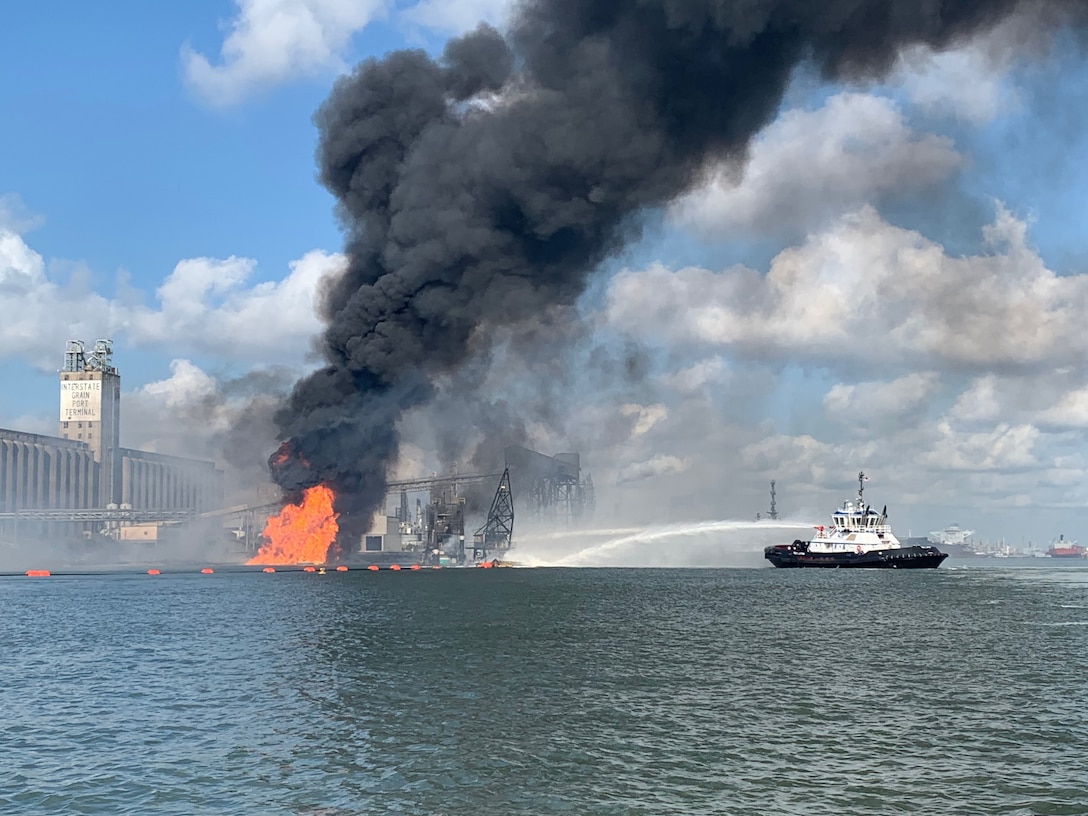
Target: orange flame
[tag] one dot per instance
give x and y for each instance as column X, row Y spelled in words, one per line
column 300, row 533
column 285, row 453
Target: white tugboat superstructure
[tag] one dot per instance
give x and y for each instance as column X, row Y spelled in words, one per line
column 858, row 536
column 855, row 528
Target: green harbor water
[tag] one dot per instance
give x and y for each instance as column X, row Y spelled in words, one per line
column 539, row 691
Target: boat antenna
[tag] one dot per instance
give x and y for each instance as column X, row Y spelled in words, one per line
column 861, row 488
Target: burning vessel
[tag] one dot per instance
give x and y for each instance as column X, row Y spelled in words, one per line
column 308, row 529
column 858, row 536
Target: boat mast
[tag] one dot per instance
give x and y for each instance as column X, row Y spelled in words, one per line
column 861, row 488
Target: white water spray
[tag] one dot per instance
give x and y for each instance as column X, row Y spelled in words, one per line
column 693, row 544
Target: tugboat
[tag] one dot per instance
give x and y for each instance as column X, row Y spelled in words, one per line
column 858, row 536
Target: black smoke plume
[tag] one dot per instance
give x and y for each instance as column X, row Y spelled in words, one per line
column 480, row 188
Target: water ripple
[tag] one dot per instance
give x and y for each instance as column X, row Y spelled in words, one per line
column 546, row 691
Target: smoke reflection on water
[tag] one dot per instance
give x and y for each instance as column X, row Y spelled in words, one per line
column 691, row 544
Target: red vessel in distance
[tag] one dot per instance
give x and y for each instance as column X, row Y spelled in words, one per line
column 1066, row 549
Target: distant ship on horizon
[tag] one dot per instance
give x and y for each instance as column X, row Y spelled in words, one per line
column 953, row 534
column 1066, row 548
column 953, row 540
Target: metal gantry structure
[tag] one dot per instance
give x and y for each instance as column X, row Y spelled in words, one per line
column 76, row 357
column 497, row 533
column 432, row 482
column 561, row 498
column 551, row 488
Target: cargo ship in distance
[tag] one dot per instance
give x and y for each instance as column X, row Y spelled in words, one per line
column 953, row 540
column 1066, row 549
column 858, row 536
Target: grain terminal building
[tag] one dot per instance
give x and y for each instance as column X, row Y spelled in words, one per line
column 49, row 480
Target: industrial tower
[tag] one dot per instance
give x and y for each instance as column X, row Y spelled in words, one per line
column 90, row 410
column 772, row 514
column 497, row 534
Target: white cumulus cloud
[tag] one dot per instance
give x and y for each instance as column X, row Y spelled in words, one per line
column 965, row 84
column 38, row 310
column 1070, row 411
column 1002, row 447
column 811, row 165
column 205, row 304
column 869, row 291
column 979, row 402
column 15, row 216
column 972, row 82
column 866, row 401
column 457, row 16
column 184, row 390
column 273, row 41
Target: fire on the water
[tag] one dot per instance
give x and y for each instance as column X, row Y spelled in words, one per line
column 302, row 533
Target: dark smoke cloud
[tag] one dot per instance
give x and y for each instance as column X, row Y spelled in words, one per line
column 462, row 216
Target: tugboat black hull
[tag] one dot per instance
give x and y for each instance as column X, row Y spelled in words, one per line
column 797, row 555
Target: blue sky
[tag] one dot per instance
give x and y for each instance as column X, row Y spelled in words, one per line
column 118, row 163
